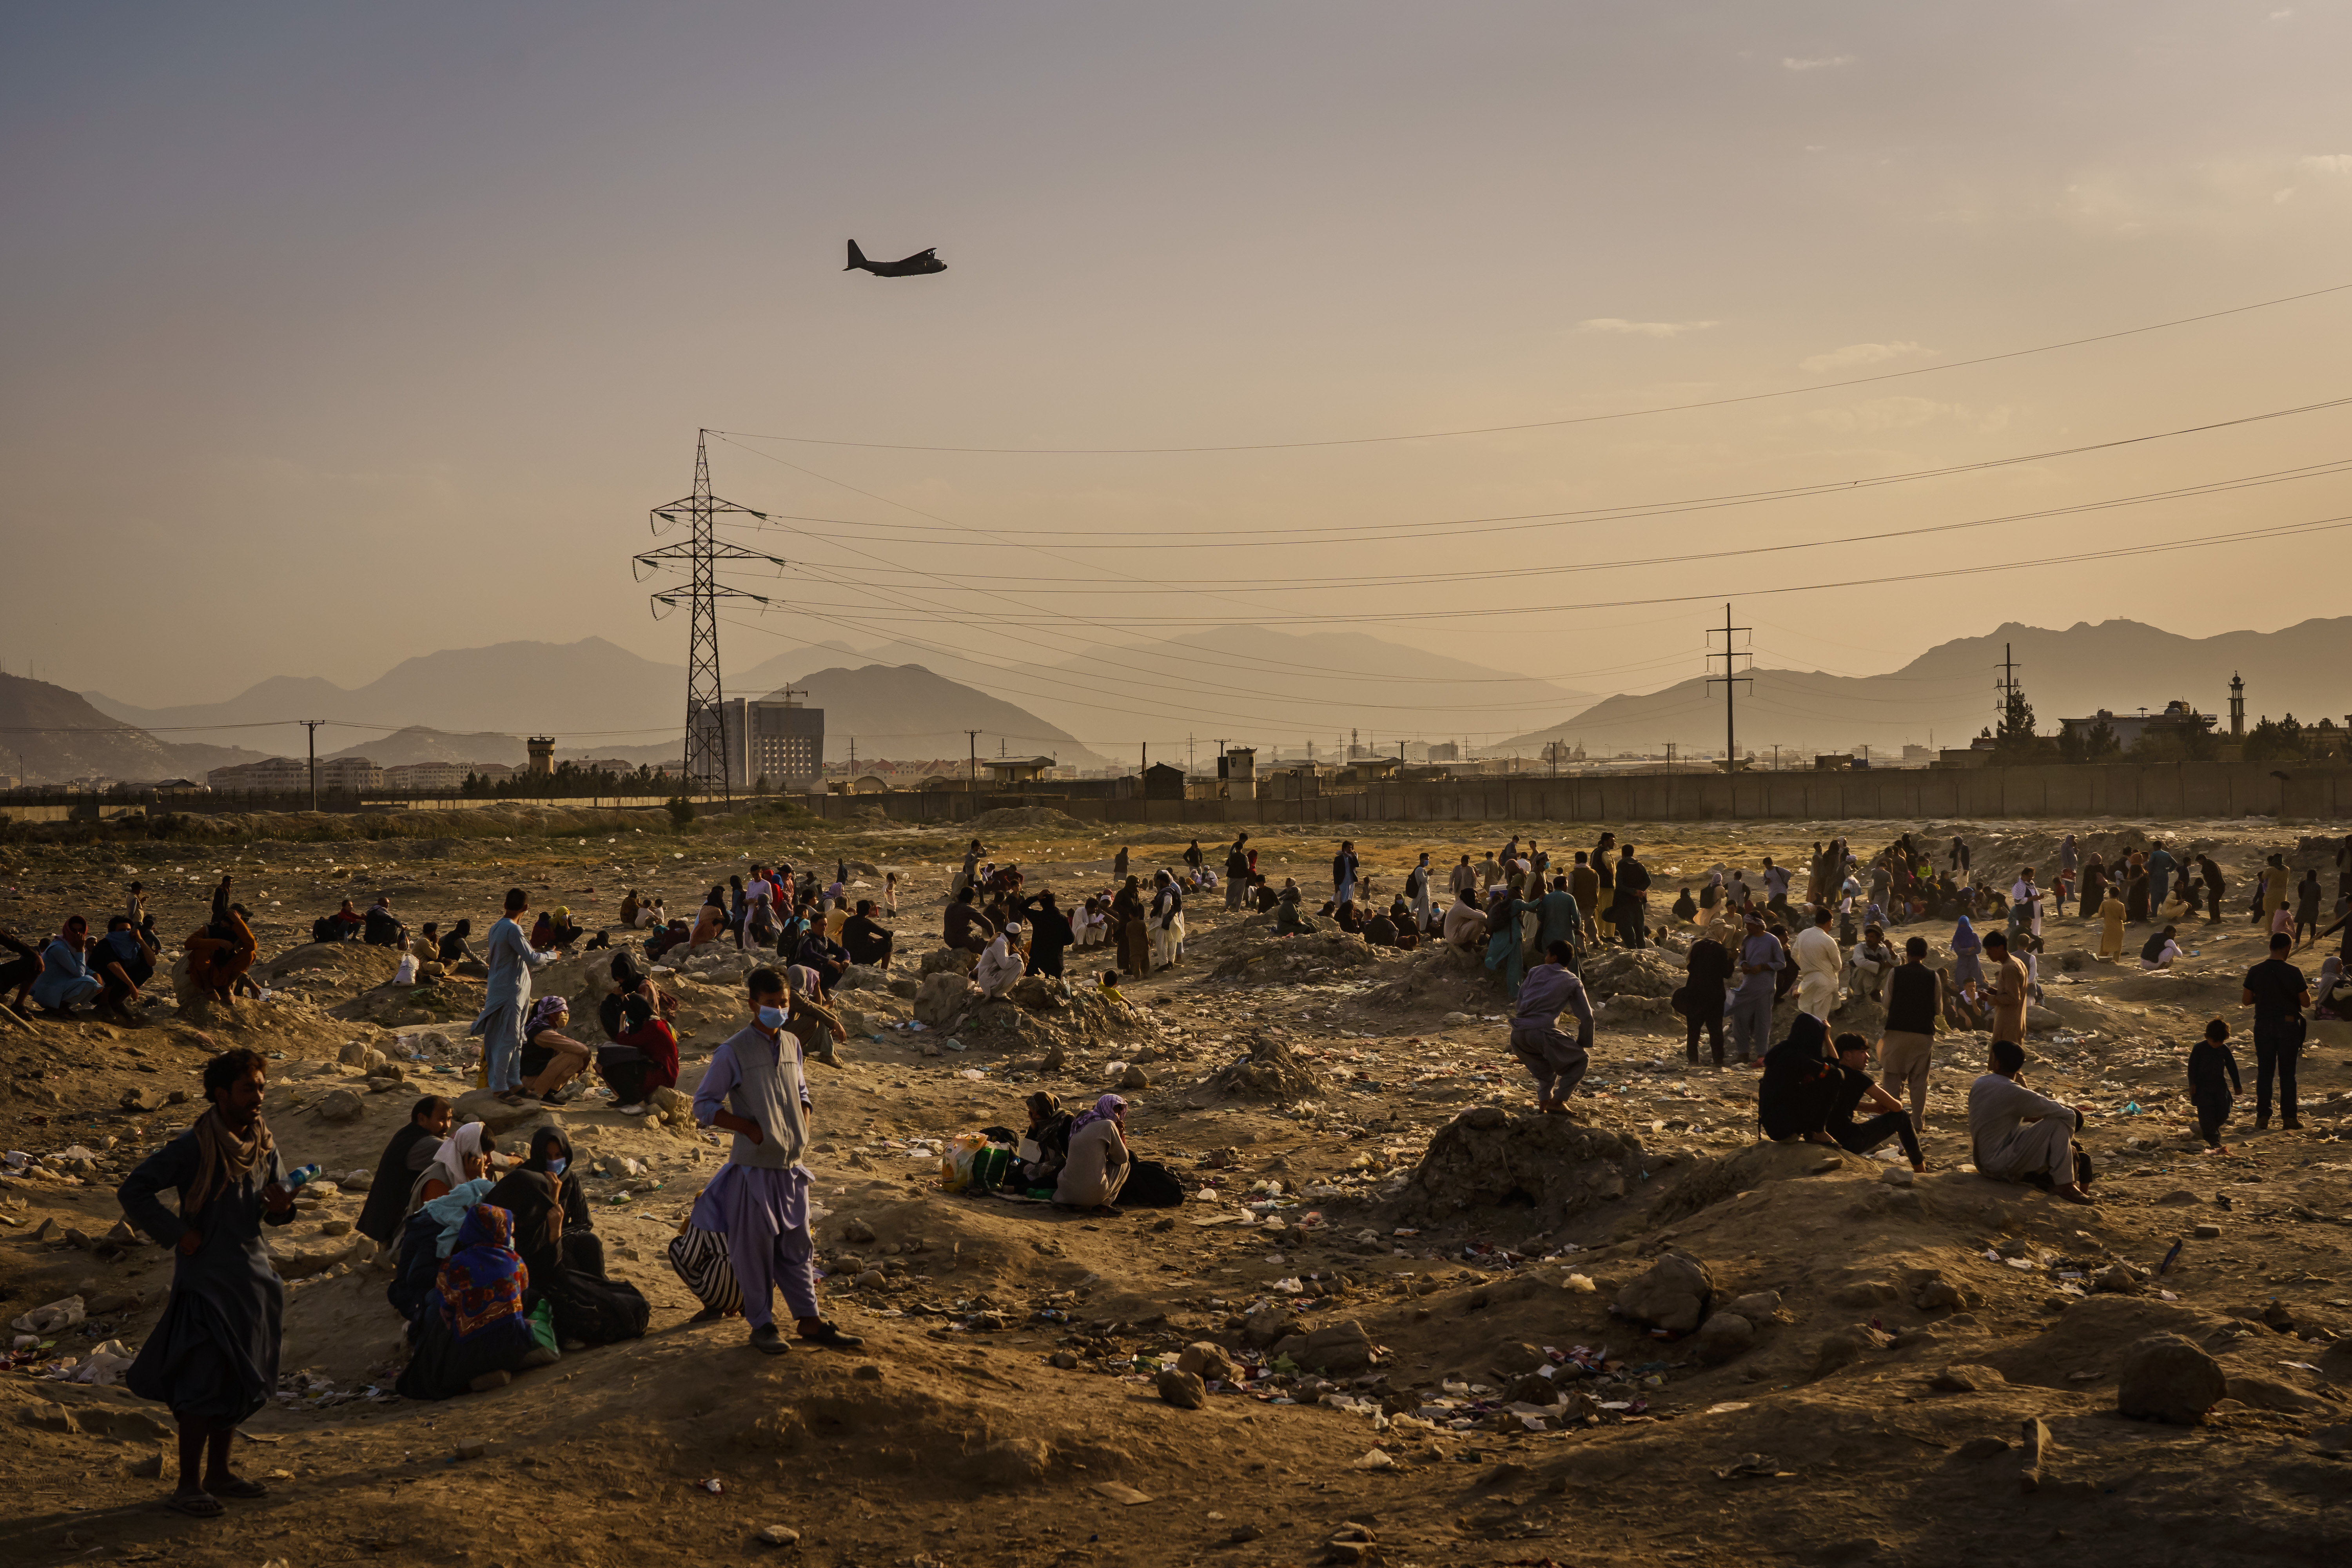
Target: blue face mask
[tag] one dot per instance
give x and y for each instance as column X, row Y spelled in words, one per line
column 772, row 1017
column 555, row 1166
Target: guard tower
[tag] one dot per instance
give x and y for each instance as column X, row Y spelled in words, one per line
column 542, row 756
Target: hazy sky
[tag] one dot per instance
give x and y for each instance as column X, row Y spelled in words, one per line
column 335, row 335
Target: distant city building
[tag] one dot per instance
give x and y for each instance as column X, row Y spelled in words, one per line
column 1444, row 751
column 1017, row 770
column 1917, row 757
column 773, row 738
column 425, row 776
column 287, row 775
column 2177, row 718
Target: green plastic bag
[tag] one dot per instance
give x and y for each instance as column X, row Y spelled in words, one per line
column 542, row 1327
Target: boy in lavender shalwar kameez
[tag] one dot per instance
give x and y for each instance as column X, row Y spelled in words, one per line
column 754, row 1087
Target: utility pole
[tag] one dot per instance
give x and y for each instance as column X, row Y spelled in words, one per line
column 971, row 742
column 1776, row 759
column 1729, row 678
column 706, row 723
column 313, row 726
column 2006, row 686
column 1188, row 754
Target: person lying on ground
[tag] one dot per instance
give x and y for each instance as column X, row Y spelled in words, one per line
column 550, row 1059
column 2020, row 1136
column 1855, row 1090
column 641, row 1059
column 1097, row 1163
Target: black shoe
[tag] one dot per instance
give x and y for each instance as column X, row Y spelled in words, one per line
column 2292, row 1124
column 768, row 1341
column 825, row 1334
column 2262, row 1123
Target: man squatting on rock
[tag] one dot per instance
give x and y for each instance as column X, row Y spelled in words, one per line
column 1556, row 1062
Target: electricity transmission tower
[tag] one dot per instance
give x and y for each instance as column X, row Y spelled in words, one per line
column 701, row 551
column 1728, row 676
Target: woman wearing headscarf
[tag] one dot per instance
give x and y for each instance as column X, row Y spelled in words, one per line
column 2331, row 998
column 2135, row 889
column 213, row 1358
column 553, row 1231
column 1795, row 1096
column 1349, row 920
column 1045, row 1147
column 1506, row 953
column 476, row 1330
column 641, row 1059
column 1134, row 937
column 550, row 1059
column 462, row 1158
column 710, row 920
column 1097, row 1166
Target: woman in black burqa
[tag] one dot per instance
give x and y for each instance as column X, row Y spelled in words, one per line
column 213, row 1356
column 555, row 1235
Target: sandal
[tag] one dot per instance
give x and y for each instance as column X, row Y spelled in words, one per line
column 195, row 1505
column 238, row 1487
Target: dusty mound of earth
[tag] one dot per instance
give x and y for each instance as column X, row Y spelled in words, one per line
column 1272, row 1070
column 1487, row 1158
column 1276, row 960
column 1439, row 976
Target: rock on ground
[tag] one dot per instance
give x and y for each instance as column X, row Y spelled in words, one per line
column 1487, row 1158
column 2166, row 1378
column 1670, row 1294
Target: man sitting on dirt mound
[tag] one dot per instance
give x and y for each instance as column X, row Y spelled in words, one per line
column 2019, row 1135
column 1555, row 1061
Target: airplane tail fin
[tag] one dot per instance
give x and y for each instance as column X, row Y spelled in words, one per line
column 857, row 257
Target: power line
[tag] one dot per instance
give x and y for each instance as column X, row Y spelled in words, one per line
column 1578, row 419
column 1366, row 533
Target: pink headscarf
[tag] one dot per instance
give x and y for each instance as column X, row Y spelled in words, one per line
column 1107, row 1109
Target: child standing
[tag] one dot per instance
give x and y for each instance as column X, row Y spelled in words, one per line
column 2213, row 1082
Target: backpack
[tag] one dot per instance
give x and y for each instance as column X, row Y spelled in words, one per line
column 1152, row 1185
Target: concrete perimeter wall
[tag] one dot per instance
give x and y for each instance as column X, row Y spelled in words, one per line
column 2156, row 790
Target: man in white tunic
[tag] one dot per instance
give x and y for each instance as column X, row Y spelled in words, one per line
column 1821, row 963
column 2019, row 1135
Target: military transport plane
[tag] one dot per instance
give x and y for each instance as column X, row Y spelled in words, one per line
column 914, row 266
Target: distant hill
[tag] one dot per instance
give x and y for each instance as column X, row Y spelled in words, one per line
column 419, row 744
column 58, row 736
column 906, row 712
column 1948, row 691
column 1280, row 688
column 586, row 689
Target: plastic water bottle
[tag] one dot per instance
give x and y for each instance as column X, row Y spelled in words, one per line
column 297, row 1179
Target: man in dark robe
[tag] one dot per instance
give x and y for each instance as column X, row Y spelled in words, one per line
column 213, row 1356
column 865, row 938
column 404, row 1158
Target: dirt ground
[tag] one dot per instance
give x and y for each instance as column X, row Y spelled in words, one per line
column 1430, row 1268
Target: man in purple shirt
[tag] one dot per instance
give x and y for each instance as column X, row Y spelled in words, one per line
column 1555, row 1060
column 754, row 1087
